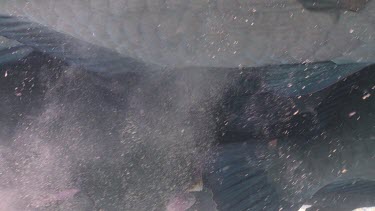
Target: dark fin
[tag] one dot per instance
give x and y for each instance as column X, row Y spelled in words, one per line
column 282, row 99
column 303, row 79
column 346, row 99
column 67, row 48
column 351, row 5
column 345, row 195
column 238, row 183
column 12, row 51
column 320, row 4
column 289, row 79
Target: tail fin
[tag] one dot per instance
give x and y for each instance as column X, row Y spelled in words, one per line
column 238, row 183
column 345, row 195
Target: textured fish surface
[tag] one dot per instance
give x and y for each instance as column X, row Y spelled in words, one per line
column 160, row 121
column 317, row 166
column 213, row 33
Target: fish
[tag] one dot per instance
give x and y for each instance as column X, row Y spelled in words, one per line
column 344, row 195
column 331, row 5
column 247, row 174
column 214, row 33
column 286, row 171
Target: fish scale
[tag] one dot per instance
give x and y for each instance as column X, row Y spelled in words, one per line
column 220, row 33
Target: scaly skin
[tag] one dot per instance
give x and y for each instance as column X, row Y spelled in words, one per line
column 212, row 33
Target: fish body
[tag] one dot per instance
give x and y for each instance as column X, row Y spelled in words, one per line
column 246, row 175
column 213, row 33
column 287, row 170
